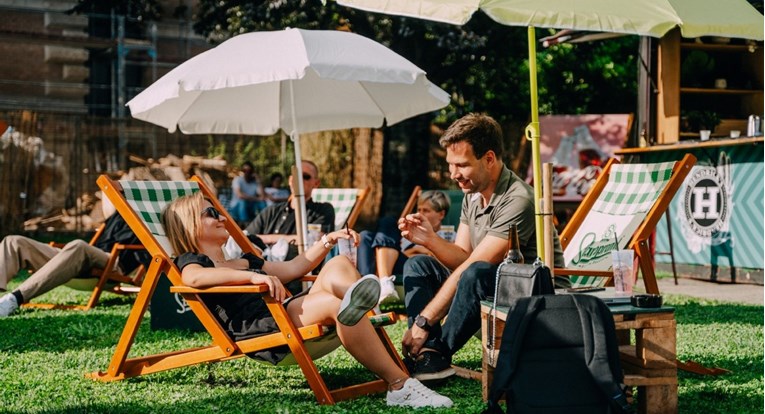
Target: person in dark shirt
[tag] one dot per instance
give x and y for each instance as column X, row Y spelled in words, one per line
column 277, row 221
column 197, row 232
column 56, row 266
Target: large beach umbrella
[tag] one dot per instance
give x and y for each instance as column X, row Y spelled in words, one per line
column 299, row 81
column 727, row 18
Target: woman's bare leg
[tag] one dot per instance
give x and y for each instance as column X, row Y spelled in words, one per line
column 385, row 258
column 322, row 304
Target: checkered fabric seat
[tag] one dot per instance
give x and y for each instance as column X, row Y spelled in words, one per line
column 342, row 199
column 149, row 198
column 620, row 212
column 633, row 188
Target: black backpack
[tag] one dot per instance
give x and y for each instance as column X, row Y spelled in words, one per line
column 559, row 354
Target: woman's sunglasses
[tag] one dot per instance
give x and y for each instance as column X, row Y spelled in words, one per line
column 211, row 212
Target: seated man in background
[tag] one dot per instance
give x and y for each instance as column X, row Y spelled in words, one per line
column 494, row 198
column 248, row 195
column 383, row 250
column 277, row 221
column 55, row 266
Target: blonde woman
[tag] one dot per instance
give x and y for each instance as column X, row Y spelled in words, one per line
column 196, row 232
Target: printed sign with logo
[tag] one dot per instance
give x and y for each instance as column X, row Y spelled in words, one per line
column 707, row 203
column 599, row 234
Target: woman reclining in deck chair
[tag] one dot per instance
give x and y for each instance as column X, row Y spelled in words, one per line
column 196, row 232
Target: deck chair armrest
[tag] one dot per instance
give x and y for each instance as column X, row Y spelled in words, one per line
column 582, row 272
column 261, row 288
column 309, row 278
column 119, row 246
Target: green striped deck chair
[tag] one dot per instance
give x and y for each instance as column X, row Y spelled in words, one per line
column 346, row 201
column 620, row 212
column 141, row 204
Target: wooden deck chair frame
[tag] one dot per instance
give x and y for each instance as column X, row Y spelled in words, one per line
column 640, row 238
column 108, row 278
column 223, row 347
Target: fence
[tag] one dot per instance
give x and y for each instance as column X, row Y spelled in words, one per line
column 48, row 161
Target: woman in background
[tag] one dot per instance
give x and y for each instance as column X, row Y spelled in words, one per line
column 384, row 251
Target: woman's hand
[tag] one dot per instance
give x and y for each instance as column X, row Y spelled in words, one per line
column 275, row 286
column 348, row 234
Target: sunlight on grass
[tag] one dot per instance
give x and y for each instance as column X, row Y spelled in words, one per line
column 44, row 356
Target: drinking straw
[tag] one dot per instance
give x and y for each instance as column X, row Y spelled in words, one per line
column 618, row 264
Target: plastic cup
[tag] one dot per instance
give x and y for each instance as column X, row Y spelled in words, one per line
column 346, row 248
column 314, row 234
column 622, row 265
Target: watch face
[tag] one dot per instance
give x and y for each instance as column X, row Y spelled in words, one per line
column 421, row 322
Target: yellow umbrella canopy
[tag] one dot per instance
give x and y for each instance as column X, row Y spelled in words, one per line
column 728, row 18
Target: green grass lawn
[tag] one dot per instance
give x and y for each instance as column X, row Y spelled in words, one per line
column 45, row 354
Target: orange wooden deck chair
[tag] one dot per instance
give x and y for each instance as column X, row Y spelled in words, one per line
column 620, row 211
column 107, row 279
column 141, row 204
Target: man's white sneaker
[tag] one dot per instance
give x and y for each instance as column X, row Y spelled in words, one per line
column 8, row 305
column 414, row 394
column 359, row 299
column 388, row 289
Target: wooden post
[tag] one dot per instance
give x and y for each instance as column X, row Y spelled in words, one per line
column 547, row 211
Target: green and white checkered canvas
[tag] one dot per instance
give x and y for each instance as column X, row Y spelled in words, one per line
column 149, row 198
column 633, row 188
column 342, row 199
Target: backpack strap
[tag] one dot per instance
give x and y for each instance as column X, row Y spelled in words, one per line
column 599, row 346
column 512, row 341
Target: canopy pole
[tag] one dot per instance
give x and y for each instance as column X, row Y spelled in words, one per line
column 532, row 134
column 300, row 213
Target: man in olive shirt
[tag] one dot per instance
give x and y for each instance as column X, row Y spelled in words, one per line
column 494, row 198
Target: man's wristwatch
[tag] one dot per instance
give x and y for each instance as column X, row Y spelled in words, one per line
column 422, row 323
column 327, row 244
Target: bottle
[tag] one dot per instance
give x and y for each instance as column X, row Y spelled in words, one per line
column 514, row 254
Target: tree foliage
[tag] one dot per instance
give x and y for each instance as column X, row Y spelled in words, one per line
column 483, row 65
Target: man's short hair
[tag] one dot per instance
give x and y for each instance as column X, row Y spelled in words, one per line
column 481, row 131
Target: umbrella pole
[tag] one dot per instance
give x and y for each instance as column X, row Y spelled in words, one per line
column 532, row 134
column 300, row 214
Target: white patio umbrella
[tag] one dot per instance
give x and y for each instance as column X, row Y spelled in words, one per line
column 299, row 81
column 727, row 18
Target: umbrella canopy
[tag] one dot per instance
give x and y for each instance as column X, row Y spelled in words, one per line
column 295, row 80
column 729, row 18
column 339, row 80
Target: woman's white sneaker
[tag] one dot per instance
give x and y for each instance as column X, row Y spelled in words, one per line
column 388, row 288
column 414, row 394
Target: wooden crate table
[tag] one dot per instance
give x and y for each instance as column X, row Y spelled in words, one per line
column 649, row 363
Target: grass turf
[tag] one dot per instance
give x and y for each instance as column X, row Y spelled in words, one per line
column 45, row 354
